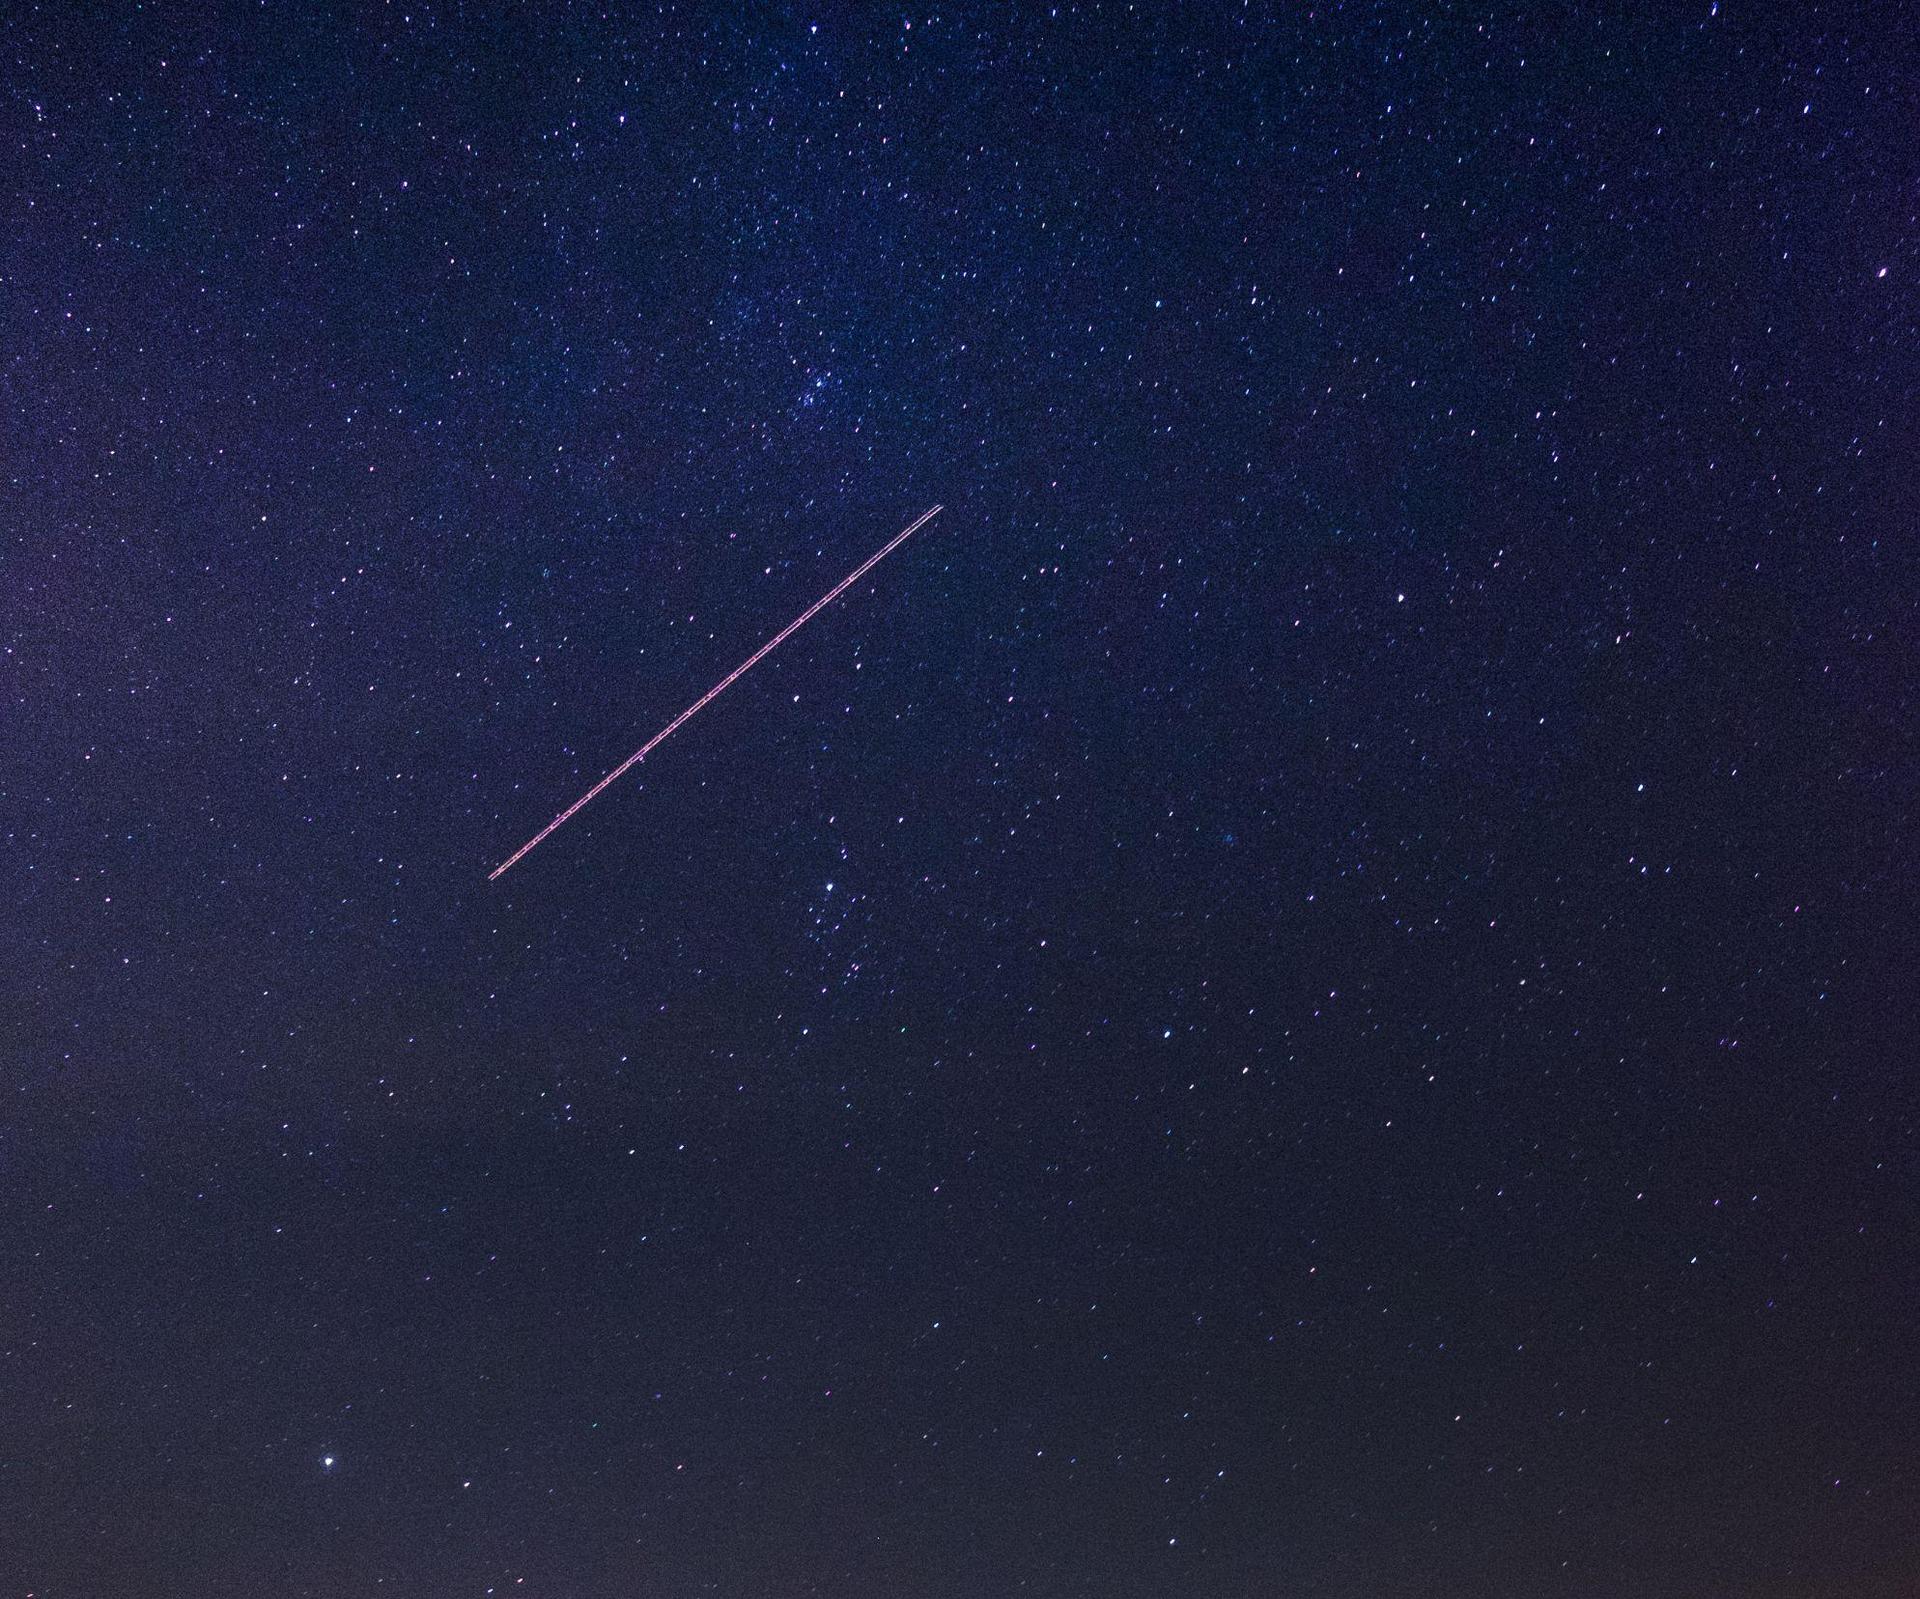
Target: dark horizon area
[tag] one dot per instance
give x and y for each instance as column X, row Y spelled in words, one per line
column 1308, row 992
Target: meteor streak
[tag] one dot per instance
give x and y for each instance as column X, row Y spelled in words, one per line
column 726, row 682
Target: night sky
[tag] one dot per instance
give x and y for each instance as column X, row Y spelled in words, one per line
column 1306, row 993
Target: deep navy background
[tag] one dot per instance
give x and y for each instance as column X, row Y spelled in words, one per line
column 1309, row 992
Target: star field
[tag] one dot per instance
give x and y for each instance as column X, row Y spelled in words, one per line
column 1308, row 992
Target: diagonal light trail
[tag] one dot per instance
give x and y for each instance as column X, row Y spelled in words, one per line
column 726, row 682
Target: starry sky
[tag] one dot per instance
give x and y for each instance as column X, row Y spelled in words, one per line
column 1306, row 993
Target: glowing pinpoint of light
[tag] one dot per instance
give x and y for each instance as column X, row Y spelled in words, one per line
column 725, row 683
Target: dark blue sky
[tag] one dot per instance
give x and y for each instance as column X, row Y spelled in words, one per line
column 1308, row 992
